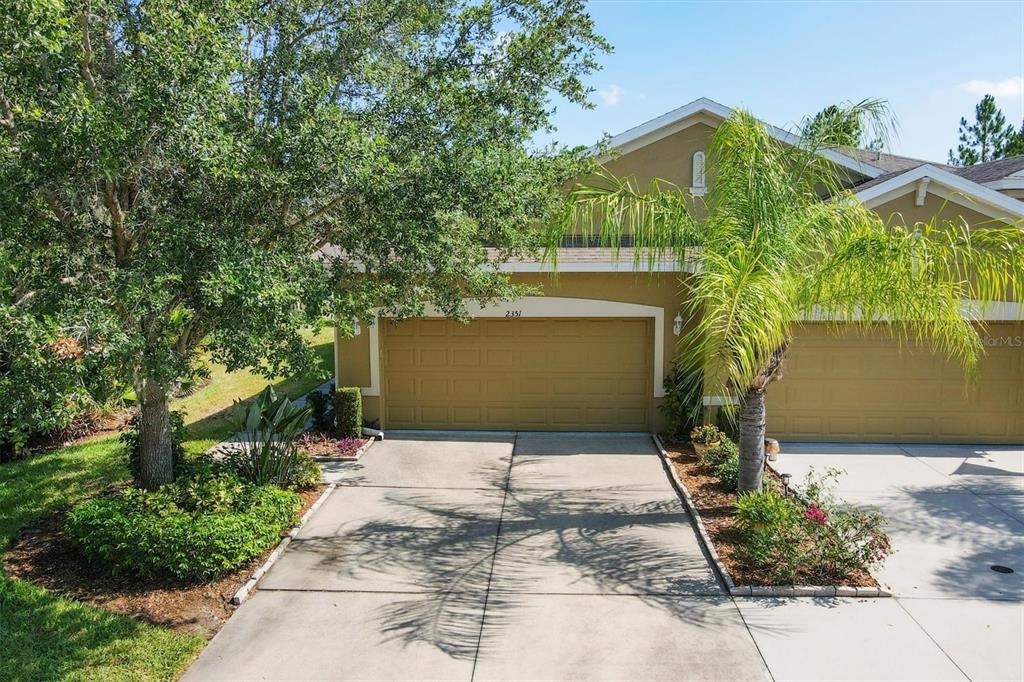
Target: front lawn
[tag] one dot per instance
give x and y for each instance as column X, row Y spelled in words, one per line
column 47, row 637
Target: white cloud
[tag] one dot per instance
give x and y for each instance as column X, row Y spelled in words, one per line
column 611, row 95
column 1010, row 87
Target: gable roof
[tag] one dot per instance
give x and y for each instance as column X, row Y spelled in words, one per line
column 675, row 120
column 1000, row 169
column 875, row 191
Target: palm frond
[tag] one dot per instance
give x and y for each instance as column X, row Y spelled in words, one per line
column 658, row 220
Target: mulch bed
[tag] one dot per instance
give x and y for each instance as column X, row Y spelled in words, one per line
column 717, row 504
column 44, row 556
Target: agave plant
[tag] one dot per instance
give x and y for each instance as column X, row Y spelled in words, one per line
column 269, row 426
column 782, row 239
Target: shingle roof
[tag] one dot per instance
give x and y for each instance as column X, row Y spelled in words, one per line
column 980, row 173
column 887, row 162
column 991, row 170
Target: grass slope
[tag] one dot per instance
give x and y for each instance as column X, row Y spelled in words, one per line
column 47, row 637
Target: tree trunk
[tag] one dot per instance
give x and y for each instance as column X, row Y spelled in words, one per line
column 752, row 432
column 156, row 445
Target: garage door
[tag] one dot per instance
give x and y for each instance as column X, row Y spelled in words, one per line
column 866, row 387
column 550, row 374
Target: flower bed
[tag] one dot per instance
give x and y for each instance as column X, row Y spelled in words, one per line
column 777, row 544
column 326, row 447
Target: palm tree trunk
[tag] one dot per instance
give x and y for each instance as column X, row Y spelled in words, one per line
column 156, row 445
column 752, row 432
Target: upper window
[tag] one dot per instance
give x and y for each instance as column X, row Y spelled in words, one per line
column 699, row 183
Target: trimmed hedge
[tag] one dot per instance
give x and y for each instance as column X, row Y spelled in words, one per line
column 194, row 529
column 348, row 409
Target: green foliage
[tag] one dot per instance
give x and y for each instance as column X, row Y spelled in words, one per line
column 307, row 475
column 723, row 458
column 845, row 126
column 49, row 637
column 705, row 433
column 269, row 425
column 132, row 447
column 816, row 538
column 41, row 378
column 727, row 470
column 349, row 411
column 986, row 139
column 187, row 179
column 773, row 537
column 682, row 405
column 719, row 452
column 194, row 529
column 322, row 406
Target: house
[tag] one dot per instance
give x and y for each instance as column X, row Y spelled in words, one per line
column 591, row 354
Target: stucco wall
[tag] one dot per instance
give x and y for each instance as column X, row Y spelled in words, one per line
column 664, row 290
column 902, row 210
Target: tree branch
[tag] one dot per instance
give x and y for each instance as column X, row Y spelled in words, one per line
column 122, row 243
column 318, row 213
column 85, row 63
column 8, row 112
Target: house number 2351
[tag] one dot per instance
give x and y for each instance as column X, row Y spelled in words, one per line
column 513, row 313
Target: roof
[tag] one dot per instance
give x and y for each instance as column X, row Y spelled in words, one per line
column 888, row 162
column 992, row 170
column 876, row 190
column 669, row 123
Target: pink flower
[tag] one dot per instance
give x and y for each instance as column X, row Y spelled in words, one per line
column 816, row 514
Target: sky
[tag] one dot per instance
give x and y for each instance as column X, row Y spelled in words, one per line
column 932, row 61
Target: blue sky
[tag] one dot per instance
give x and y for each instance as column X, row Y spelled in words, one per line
column 932, row 60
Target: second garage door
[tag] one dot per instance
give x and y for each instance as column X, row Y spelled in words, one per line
column 557, row 374
column 859, row 386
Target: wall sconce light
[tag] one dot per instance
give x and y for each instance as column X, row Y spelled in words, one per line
column 356, row 328
column 677, row 325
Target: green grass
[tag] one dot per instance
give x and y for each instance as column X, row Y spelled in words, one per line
column 47, row 637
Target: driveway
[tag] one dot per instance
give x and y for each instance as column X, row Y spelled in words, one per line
column 954, row 512
column 492, row 557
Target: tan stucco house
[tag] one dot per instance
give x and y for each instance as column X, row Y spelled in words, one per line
column 591, row 354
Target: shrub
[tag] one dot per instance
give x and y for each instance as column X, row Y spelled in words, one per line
column 819, row 538
column 705, row 433
column 682, row 405
column 845, row 539
column 194, row 529
column 269, row 425
column 307, row 474
column 132, row 446
column 719, row 452
column 322, row 406
column 349, row 412
column 772, row 533
column 728, row 471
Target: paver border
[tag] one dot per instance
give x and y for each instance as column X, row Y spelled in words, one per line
column 735, row 590
column 245, row 591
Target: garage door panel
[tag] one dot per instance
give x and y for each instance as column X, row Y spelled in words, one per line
column 536, row 373
column 466, row 357
column 869, row 387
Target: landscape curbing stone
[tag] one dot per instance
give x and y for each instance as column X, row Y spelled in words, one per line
column 801, row 591
column 245, row 591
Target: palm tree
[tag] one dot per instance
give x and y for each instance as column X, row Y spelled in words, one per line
column 782, row 239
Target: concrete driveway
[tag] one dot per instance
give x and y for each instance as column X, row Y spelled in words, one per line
column 954, row 512
column 492, row 557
